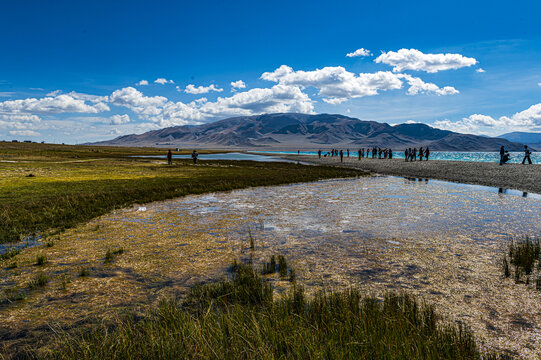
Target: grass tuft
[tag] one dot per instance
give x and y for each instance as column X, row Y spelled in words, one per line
column 40, row 281
column 41, row 260
column 524, row 256
column 84, row 272
column 111, row 254
column 9, row 253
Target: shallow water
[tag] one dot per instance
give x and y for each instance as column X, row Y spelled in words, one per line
column 225, row 156
column 515, row 157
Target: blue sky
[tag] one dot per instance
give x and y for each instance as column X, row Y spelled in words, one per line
column 71, row 71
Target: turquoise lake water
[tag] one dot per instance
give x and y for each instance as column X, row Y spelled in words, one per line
column 516, row 157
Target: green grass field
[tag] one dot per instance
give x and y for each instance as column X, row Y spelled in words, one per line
column 73, row 184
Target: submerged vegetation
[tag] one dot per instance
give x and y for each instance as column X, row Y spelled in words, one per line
column 73, row 184
column 240, row 318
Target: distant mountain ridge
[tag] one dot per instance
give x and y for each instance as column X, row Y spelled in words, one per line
column 291, row 131
column 530, row 138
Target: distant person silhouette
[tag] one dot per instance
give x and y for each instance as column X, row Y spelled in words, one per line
column 406, row 154
column 194, row 157
column 414, row 154
column 169, row 157
column 390, row 153
column 427, row 153
column 319, row 153
column 502, row 154
column 505, row 158
column 421, row 153
column 527, row 154
column 341, row 156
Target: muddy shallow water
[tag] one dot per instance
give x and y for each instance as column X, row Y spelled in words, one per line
column 439, row 240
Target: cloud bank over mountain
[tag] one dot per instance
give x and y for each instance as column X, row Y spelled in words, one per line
column 151, row 105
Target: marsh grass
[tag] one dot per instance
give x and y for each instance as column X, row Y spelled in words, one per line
column 111, row 254
column 39, row 281
column 41, row 260
column 9, row 253
column 67, row 193
column 83, row 272
column 239, row 318
column 524, row 256
column 282, row 266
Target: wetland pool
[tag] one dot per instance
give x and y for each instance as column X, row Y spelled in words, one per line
column 441, row 241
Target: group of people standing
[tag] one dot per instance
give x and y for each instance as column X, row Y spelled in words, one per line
column 505, row 157
column 410, row 154
column 377, row 153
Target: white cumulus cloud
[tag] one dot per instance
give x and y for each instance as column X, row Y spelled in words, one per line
column 526, row 120
column 412, row 59
column 337, row 85
column 359, row 53
column 119, row 119
column 418, row 86
column 480, row 70
column 64, row 103
column 142, row 83
column 192, row 89
column 239, row 84
column 24, row 133
column 163, row 81
column 135, row 100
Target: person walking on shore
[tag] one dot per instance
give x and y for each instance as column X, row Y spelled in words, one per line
column 319, row 153
column 341, row 156
column 359, row 154
column 406, row 154
column 169, row 157
column 414, row 154
column 348, row 152
column 390, row 153
column 502, row 154
column 527, row 154
column 421, row 153
column 194, row 157
column 427, row 153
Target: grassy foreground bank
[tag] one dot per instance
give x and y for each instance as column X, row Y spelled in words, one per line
column 47, row 188
column 239, row 318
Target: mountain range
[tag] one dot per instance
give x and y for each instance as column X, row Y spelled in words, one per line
column 530, row 138
column 291, row 131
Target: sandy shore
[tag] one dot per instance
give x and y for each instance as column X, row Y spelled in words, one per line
column 510, row 176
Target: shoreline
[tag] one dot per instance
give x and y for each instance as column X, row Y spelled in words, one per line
column 526, row 178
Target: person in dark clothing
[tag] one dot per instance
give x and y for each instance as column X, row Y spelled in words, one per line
column 348, row 152
column 359, row 153
column 341, row 156
column 421, row 153
column 194, row 157
column 390, row 153
column 427, row 153
column 406, row 154
column 505, row 157
column 169, row 157
column 414, row 154
column 527, row 154
column 319, row 153
column 502, row 154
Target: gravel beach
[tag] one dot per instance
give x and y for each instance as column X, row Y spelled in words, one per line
column 510, row 176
